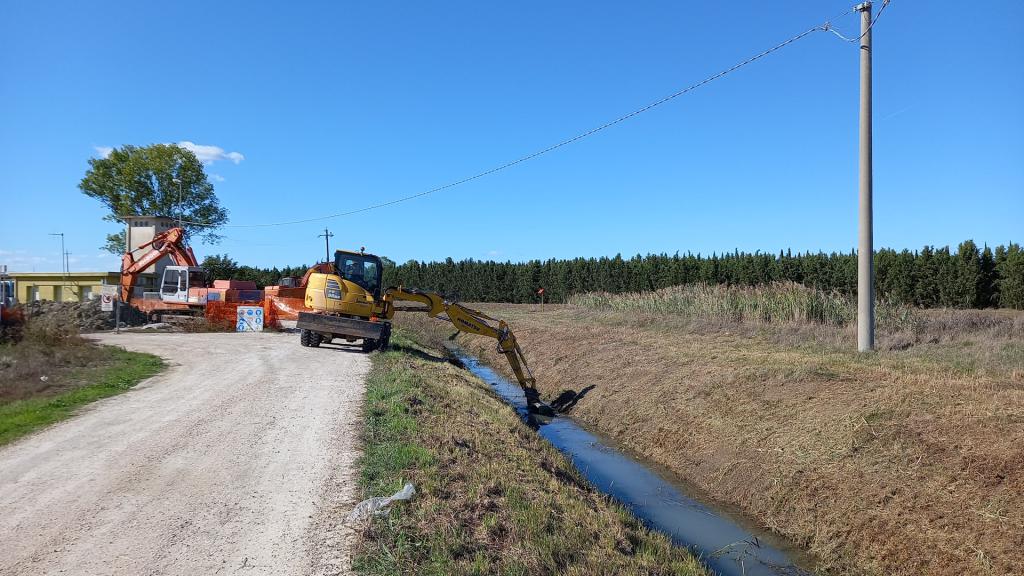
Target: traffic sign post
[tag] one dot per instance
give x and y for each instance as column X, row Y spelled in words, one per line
column 108, row 295
column 110, row 300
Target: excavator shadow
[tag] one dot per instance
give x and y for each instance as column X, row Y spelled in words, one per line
column 417, row 353
column 341, row 347
column 567, row 399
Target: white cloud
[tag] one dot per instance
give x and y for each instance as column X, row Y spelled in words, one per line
column 208, row 154
column 25, row 261
column 493, row 253
column 20, row 261
column 216, row 177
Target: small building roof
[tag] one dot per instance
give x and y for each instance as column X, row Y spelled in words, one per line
column 61, row 274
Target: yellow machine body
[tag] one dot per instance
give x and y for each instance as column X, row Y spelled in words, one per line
column 353, row 290
column 332, row 294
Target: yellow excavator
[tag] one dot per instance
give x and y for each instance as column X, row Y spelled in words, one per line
column 345, row 301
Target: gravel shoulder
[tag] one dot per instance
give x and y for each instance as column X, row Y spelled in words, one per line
column 237, row 459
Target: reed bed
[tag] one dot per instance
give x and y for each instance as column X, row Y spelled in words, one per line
column 783, row 302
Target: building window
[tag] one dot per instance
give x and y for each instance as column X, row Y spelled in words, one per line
column 33, row 293
column 85, row 293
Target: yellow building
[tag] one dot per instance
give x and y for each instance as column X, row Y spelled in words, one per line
column 78, row 286
column 70, row 287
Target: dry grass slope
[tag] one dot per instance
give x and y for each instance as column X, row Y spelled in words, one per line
column 908, row 461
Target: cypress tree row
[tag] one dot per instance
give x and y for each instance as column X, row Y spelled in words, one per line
column 967, row 278
column 932, row 277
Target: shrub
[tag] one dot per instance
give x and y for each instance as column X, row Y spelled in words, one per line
column 51, row 330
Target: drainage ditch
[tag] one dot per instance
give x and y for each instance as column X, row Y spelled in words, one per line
column 726, row 542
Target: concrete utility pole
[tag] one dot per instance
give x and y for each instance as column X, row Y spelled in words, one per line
column 178, row 182
column 63, row 265
column 327, row 242
column 865, row 247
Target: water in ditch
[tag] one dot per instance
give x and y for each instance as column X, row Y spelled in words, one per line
column 724, row 542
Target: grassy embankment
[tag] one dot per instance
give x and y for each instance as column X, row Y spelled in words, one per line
column 49, row 371
column 492, row 497
column 906, row 461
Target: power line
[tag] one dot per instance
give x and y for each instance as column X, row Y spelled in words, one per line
column 829, row 28
column 826, row 27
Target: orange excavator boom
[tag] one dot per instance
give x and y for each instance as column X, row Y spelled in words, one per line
column 170, row 243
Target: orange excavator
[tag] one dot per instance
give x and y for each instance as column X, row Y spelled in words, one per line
column 183, row 285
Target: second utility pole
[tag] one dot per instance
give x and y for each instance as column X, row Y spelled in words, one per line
column 327, row 242
column 865, row 246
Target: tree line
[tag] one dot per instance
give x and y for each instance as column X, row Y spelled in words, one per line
column 969, row 277
column 223, row 267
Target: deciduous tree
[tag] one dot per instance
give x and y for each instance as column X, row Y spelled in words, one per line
column 141, row 181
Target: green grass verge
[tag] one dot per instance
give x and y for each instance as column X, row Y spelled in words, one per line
column 492, row 496
column 122, row 371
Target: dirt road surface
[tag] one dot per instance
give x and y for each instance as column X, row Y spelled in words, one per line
column 238, row 459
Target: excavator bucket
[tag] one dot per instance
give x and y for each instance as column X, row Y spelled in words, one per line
column 536, row 406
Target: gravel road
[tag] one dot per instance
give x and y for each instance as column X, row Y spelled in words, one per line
column 237, row 459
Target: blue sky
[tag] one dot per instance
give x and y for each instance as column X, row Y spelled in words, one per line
column 315, row 108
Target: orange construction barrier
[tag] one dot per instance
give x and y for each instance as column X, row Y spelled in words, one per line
column 226, row 313
column 275, row 309
column 283, row 308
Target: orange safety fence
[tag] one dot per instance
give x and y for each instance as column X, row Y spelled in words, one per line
column 275, row 309
column 226, row 313
column 283, row 308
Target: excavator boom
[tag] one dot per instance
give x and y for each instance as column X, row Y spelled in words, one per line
column 170, row 243
column 466, row 319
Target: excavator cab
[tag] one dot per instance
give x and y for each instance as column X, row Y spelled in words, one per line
column 179, row 284
column 363, row 270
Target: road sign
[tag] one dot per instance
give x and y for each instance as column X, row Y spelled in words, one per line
column 108, row 294
column 250, row 319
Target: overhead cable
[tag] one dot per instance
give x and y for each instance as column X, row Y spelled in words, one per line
column 829, row 28
column 826, row 27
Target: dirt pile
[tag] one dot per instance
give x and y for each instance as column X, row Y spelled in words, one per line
column 87, row 316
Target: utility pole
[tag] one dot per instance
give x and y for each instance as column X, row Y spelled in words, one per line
column 327, row 242
column 63, row 266
column 865, row 246
column 178, row 182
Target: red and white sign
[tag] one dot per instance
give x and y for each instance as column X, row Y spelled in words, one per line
column 108, row 294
